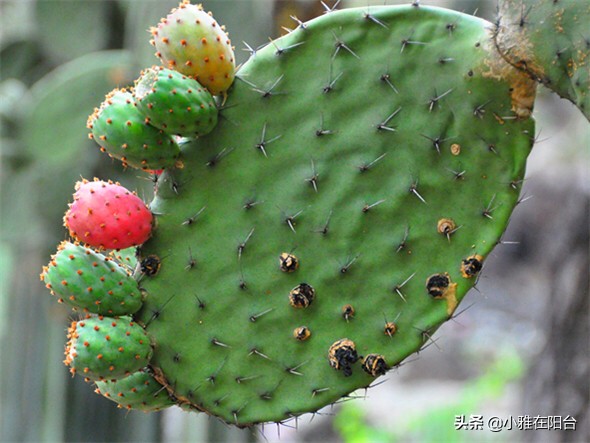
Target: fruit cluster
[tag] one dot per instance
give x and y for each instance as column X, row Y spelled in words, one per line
column 141, row 127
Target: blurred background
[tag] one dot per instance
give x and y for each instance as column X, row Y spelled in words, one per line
column 520, row 348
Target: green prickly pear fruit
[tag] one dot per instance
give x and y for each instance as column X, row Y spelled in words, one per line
column 139, row 390
column 190, row 41
column 122, row 131
column 88, row 280
column 175, row 103
column 101, row 348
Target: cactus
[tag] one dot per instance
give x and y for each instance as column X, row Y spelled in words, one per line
column 107, row 215
column 308, row 225
column 549, row 39
column 86, row 279
column 139, row 390
column 105, row 348
column 330, row 222
column 122, row 131
column 175, row 103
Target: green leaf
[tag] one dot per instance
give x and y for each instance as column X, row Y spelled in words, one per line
column 69, row 29
column 55, row 128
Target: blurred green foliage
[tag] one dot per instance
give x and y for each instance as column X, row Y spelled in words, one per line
column 436, row 424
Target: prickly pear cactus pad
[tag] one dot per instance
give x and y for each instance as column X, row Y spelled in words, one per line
column 362, row 169
column 549, row 39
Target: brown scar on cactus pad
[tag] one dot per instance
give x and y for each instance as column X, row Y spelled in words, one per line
column 471, row 266
column 440, row 286
column 522, row 89
column 548, row 40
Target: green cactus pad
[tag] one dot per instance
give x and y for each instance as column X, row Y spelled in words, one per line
column 86, row 279
column 139, row 390
column 121, row 131
column 366, row 154
column 550, row 40
column 175, row 103
column 106, row 348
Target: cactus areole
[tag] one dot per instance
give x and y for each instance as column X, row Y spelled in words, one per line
column 361, row 170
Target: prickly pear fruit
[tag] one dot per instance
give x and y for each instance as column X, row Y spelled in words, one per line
column 102, row 348
column 175, row 103
column 139, row 391
column 190, row 41
column 122, row 131
column 106, row 215
column 88, row 280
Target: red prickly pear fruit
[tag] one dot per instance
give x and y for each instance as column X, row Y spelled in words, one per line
column 106, row 215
